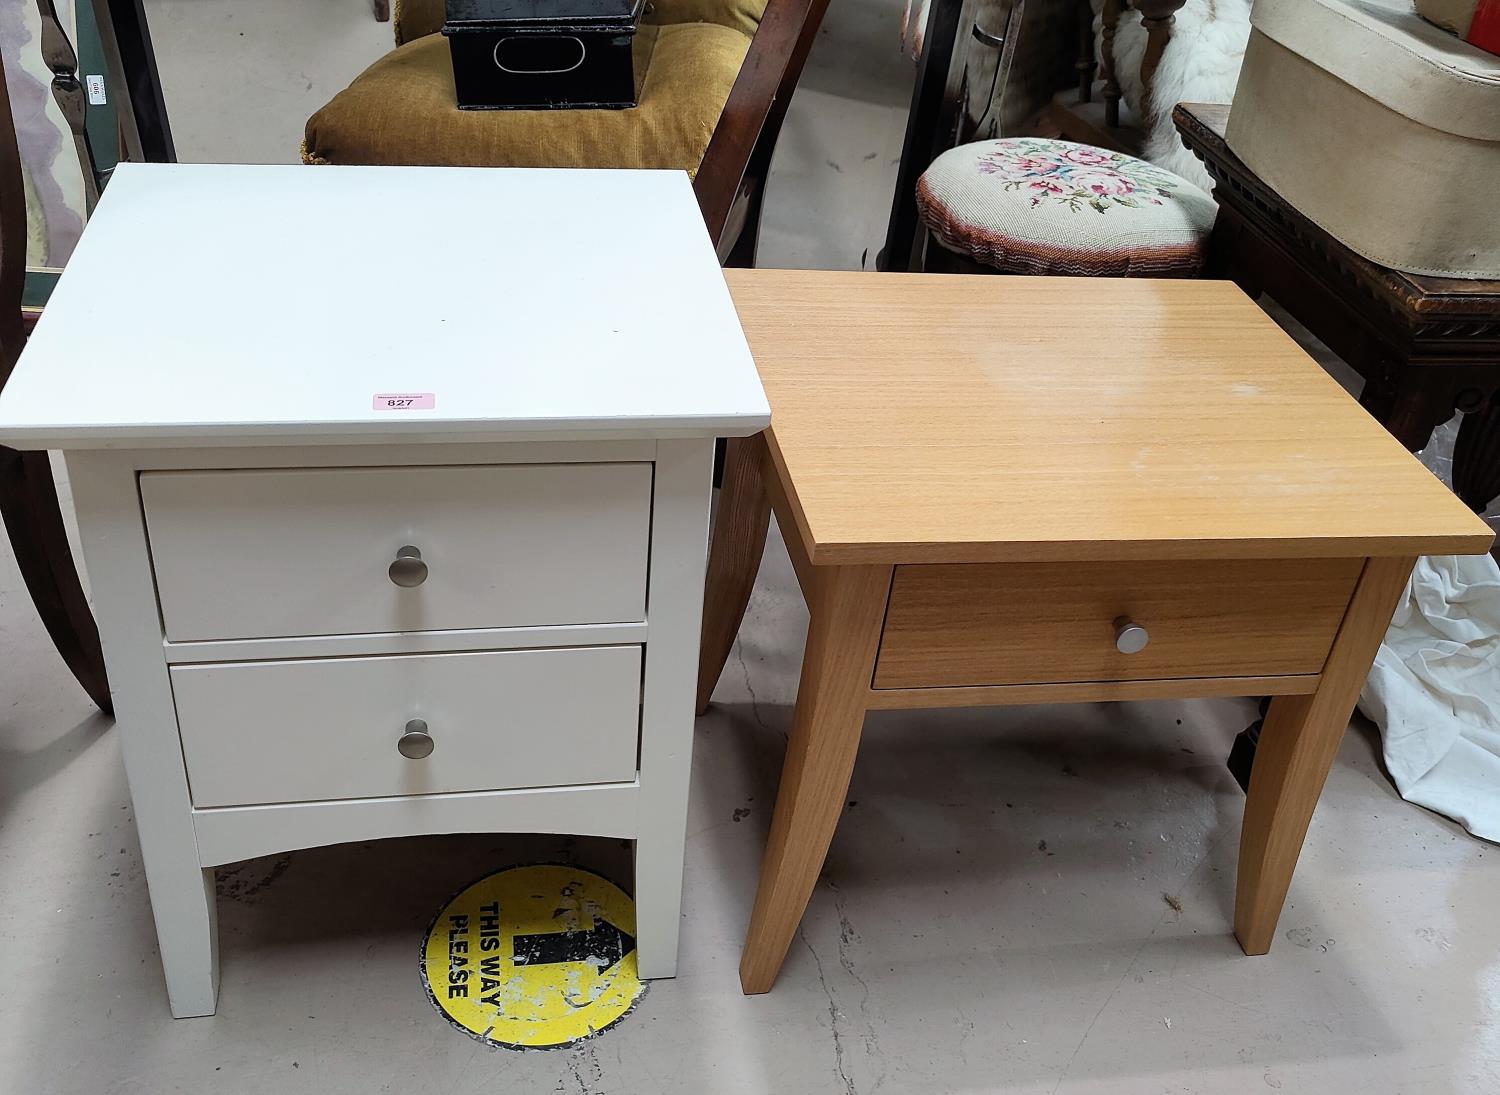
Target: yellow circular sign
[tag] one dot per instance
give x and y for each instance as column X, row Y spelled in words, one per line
column 534, row 957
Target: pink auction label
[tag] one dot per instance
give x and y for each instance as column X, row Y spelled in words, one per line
column 404, row 401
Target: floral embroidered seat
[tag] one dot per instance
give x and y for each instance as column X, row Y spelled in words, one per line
column 1031, row 205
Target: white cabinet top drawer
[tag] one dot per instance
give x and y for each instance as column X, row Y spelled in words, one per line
column 313, row 551
column 330, row 728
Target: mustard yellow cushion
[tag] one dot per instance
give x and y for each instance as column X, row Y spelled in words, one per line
column 402, row 110
column 415, row 18
column 741, row 15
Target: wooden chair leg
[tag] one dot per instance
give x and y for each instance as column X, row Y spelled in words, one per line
column 734, row 554
column 1297, row 745
column 1416, row 408
column 1086, row 64
column 382, row 10
column 29, row 506
column 848, row 606
column 1476, row 456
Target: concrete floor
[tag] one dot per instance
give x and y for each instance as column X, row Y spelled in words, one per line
column 1023, row 900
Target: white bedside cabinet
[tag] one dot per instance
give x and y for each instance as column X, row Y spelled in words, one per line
column 392, row 532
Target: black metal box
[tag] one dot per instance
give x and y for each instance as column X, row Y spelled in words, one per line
column 542, row 54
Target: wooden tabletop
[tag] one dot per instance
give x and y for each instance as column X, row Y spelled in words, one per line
column 947, row 418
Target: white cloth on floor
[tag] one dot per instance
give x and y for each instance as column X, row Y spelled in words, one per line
column 1434, row 691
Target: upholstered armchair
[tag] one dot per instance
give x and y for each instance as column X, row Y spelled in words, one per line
column 714, row 80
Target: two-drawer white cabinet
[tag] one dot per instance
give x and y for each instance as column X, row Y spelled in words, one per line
column 385, row 541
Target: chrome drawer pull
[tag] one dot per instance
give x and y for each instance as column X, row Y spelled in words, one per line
column 408, row 570
column 1130, row 637
column 416, row 743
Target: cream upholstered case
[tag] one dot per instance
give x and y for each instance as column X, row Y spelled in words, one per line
column 1379, row 127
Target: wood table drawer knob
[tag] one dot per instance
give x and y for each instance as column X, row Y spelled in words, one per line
column 416, row 742
column 1130, row 637
column 408, row 569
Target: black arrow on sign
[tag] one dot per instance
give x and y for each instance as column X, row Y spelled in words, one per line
column 601, row 947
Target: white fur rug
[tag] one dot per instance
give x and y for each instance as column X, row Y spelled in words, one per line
column 1201, row 65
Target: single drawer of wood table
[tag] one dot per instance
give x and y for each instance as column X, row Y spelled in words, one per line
column 266, row 554
column 330, row 728
column 1038, row 623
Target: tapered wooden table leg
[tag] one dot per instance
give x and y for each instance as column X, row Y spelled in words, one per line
column 1300, row 738
column 739, row 541
column 843, row 636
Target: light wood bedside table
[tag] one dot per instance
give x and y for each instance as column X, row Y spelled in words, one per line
column 991, row 497
column 388, row 536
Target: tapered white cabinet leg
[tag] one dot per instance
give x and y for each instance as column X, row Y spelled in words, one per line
column 679, row 553
column 658, row 906
column 119, row 566
column 187, row 930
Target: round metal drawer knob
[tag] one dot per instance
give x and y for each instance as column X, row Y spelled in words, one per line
column 408, row 570
column 416, row 743
column 1130, row 637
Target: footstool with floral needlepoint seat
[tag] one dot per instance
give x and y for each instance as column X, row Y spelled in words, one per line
column 1032, row 205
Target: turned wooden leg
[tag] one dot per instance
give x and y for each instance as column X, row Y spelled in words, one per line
column 33, row 520
column 1476, row 456
column 1110, row 21
column 1086, row 64
column 734, row 554
column 382, row 10
column 1297, row 745
column 848, row 605
column 1157, row 17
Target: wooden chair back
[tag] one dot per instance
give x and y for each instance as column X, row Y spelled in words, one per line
column 59, row 56
column 29, row 506
column 731, row 179
column 12, row 237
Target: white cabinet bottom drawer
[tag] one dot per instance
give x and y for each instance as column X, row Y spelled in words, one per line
column 327, row 728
